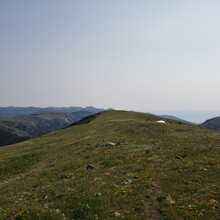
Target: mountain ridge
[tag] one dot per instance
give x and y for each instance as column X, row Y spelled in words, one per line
column 177, row 119
column 12, row 111
column 19, row 128
column 213, row 124
column 151, row 171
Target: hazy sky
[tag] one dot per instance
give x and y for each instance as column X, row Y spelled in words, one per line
column 138, row 55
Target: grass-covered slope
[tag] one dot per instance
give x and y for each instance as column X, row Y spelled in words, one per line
column 155, row 171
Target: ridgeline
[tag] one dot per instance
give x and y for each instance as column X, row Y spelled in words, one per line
column 119, row 165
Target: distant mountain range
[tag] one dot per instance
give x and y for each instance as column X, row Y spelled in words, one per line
column 213, row 123
column 176, row 119
column 31, row 122
column 11, row 111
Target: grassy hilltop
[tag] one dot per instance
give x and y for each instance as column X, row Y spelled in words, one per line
column 155, row 171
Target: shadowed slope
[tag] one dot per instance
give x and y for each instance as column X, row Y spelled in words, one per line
column 16, row 129
column 213, row 123
column 85, row 120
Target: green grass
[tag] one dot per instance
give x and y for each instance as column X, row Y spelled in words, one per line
column 156, row 171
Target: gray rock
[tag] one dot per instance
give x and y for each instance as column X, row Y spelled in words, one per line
column 90, row 166
column 110, row 144
column 62, row 177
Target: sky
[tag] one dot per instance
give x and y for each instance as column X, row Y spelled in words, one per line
column 142, row 55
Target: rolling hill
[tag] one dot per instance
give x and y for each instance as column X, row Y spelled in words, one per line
column 213, row 123
column 19, row 128
column 118, row 165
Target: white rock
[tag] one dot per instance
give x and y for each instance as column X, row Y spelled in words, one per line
column 161, row 121
column 110, row 144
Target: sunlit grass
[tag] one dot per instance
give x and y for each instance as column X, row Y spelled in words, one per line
column 155, row 171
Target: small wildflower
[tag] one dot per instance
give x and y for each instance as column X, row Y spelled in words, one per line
column 191, row 207
column 169, row 200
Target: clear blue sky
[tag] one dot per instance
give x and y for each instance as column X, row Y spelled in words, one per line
column 142, row 55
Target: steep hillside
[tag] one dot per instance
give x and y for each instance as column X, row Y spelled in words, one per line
column 13, row 130
column 10, row 134
column 11, row 111
column 213, row 124
column 119, row 165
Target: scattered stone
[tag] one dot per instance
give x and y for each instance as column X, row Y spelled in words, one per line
column 178, row 157
column 110, row 144
column 62, row 177
column 90, row 166
column 117, row 214
column 97, row 145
